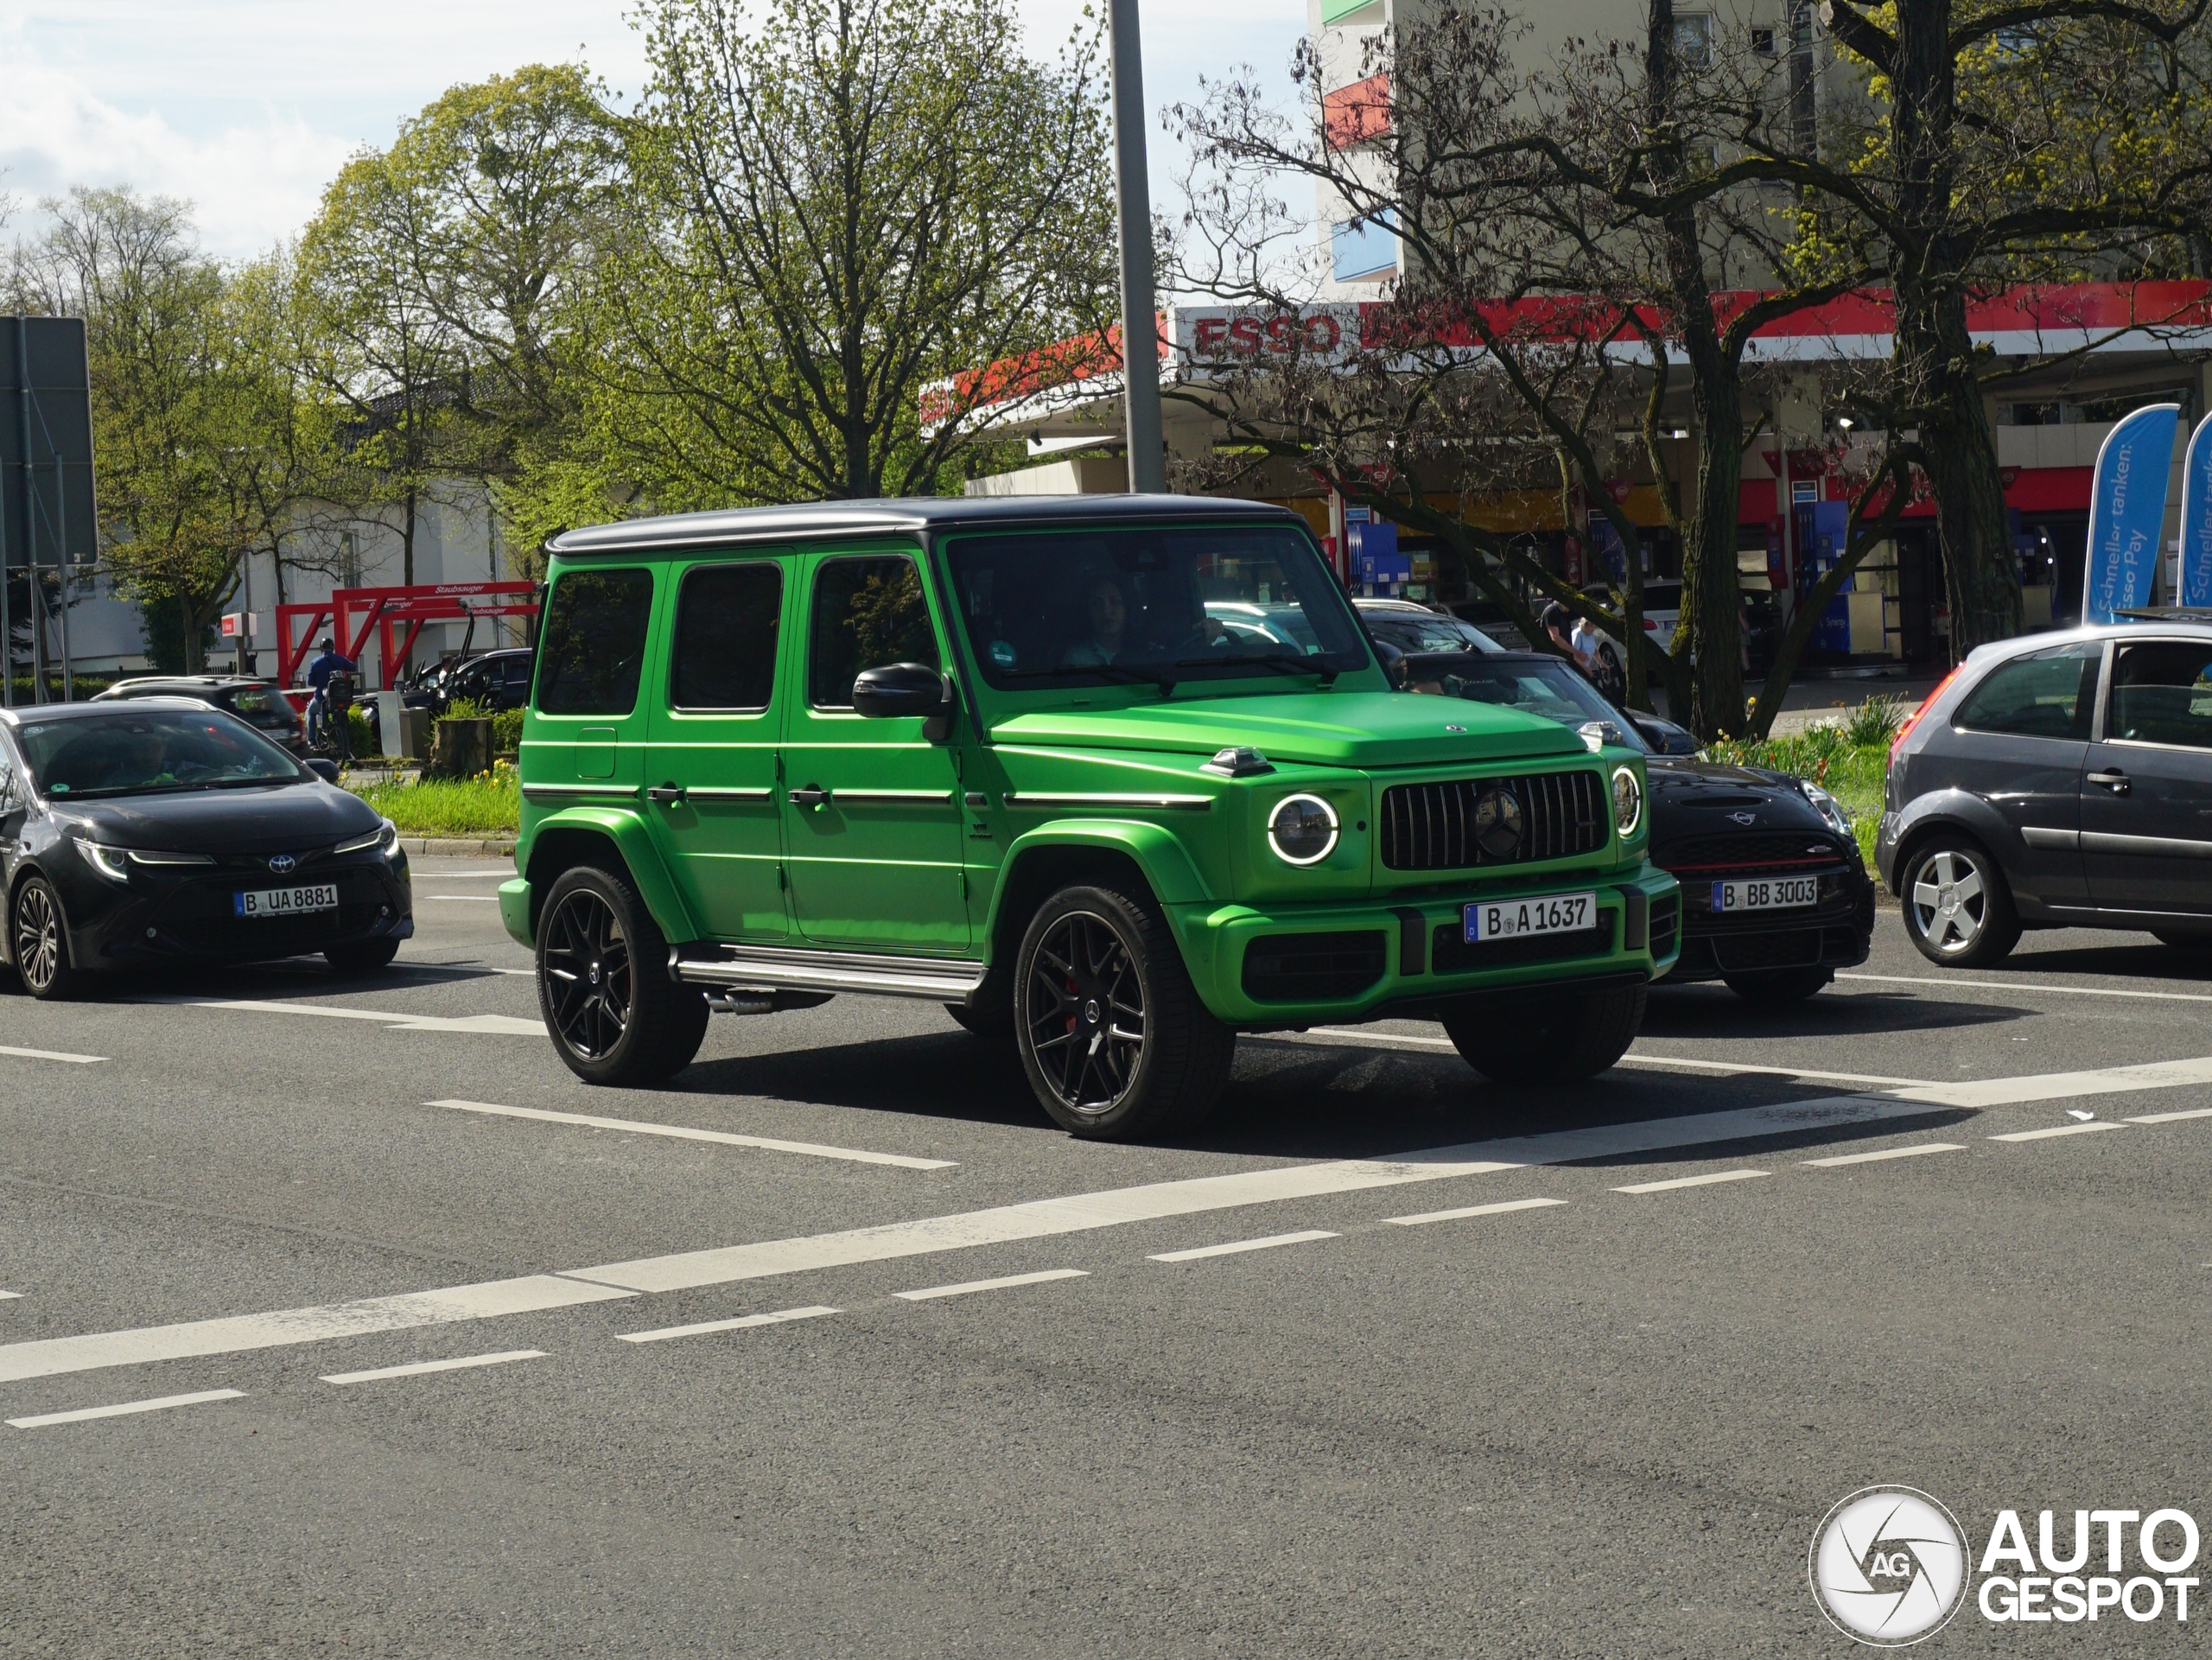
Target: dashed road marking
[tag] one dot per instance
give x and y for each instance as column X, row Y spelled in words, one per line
column 681, row 1132
column 929, row 1293
column 506, row 1025
column 124, row 1409
column 1236, row 1246
column 52, row 1054
column 461, row 899
column 5, row 1295
column 422, row 1367
column 1669, row 1186
column 2171, row 1118
column 1912, row 1152
column 1500, row 1209
column 2060, row 1129
column 743, row 1322
column 2018, row 985
column 1393, row 1040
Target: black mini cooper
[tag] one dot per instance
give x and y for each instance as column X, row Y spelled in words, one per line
column 1775, row 897
column 154, row 831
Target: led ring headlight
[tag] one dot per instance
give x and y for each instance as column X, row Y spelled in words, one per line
column 1628, row 801
column 1302, row 829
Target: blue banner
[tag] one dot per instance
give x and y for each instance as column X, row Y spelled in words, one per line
column 2196, row 518
column 2127, row 509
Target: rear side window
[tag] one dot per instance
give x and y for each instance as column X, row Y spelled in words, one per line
column 2162, row 693
column 726, row 624
column 2043, row 695
column 866, row 613
column 595, row 642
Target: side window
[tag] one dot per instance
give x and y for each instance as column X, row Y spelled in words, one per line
column 2043, row 695
column 2162, row 693
column 12, row 794
column 517, row 671
column 866, row 613
column 595, row 642
column 727, row 619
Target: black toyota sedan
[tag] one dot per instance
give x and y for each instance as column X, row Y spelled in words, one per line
column 1775, row 897
column 156, row 831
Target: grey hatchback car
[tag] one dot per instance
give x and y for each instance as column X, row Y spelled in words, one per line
column 2057, row 781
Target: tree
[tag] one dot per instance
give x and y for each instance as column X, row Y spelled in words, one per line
column 837, row 207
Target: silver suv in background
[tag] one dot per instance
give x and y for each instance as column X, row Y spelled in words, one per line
column 2063, row 780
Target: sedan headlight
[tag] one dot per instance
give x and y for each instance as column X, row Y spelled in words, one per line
column 1303, row 829
column 1827, row 806
column 1628, row 801
column 115, row 863
column 384, row 835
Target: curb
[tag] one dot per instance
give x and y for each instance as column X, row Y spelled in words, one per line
column 466, row 846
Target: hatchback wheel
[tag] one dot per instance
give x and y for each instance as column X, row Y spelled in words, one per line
column 1957, row 908
column 42, row 943
column 1112, row 1035
column 602, row 983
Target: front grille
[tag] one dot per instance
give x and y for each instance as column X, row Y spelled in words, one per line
column 1666, row 923
column 1311, row 967
column 199, row 916
column 1453, row 955
column 1431, row 826
column 1798, row 948
column 1759, row 850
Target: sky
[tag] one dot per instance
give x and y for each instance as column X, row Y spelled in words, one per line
column 248, row 107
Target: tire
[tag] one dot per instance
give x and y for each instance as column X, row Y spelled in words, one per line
column 364, row 957
column 1101, row 961
column 1779, row 986
column 991, row 1019
column 614, row 1014
column 39, row 933
column 1980, row 927
column 2181, row 941
column 1548, row 1037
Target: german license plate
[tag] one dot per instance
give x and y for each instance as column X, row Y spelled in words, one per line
column 1775, row 893
column 286, row 901
column 1554, row 913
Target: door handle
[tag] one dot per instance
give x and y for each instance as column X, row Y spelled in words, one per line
column 809, row 795
column 668, row 795
column 2116, row 782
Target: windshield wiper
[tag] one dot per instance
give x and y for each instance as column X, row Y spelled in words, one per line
column 1278, row 662
column 1122, row 672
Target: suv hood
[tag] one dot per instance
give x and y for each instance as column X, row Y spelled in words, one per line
column 1349, row 729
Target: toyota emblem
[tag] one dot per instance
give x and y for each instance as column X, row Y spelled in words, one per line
column 281, row 864
column 1497, row 822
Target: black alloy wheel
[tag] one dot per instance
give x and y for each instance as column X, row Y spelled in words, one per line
column 41, row 942
column 615, row 1015
column 1085, row 1013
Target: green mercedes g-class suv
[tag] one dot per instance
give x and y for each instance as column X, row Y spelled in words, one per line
column 1112, row 779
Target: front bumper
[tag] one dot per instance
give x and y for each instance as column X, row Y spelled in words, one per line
column 1288, row 965
column 1833, row 934
column 168, row 919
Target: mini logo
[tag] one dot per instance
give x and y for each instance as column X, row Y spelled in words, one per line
column 1497, row 822
column 281, row 864
column 1888, row 1566
column 1744, row 818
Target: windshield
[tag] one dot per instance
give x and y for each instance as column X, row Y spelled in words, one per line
column 146, row 751
column 1162, row 604
column 1551, row 689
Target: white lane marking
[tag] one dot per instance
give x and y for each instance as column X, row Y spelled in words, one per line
column 928, row 1293
column 2016, row 985
column 1693, row 1181
column 1391, row 1040
column 1499, row 1209
column 52, row 1054
column 423, row 1366
column 1038, row 1218
column 1913, row 1152
column 5, row 1295
column 1237, row 1247
column 679, row 1132
column 47, row 1356
column 2171, row 1117
column 443, row 875
column 508, row 1025
column 125, row 1409
column 463, row 899
column 2059, row 1129
column 743, row 1322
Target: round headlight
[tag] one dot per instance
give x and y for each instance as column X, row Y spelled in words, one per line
column 1628, row 801
column 1302, row 829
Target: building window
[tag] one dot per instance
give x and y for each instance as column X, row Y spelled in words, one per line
column 1763, row 42
column 1694, row 40
column 1363, row 249
column 1354, row 114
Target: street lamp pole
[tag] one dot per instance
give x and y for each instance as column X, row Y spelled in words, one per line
column 1133, row 200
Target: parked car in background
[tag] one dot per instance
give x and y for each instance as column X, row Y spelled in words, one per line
column 259, row 703
column 2056, row 781
column 1775, row 895
column 497, row 680
column 1409, row 628
column 1494, row 620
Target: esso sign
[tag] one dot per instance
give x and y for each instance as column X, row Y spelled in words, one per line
column 1252, row 334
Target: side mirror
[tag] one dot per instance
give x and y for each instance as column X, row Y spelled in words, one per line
column 1664, row 736
column 902, row 689
column 1595, row 735
column 324, row 770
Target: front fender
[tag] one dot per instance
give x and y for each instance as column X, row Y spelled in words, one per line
column 1159, row 853
column 563, row 839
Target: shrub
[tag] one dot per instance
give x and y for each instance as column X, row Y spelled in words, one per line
column 488, row 805
column 507, row 731
column 465, row 709
column 1873, row 722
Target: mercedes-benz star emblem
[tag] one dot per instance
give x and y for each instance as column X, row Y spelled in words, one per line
column 280, row 864
column 1497, row 822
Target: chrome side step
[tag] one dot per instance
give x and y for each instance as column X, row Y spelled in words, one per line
column 778, row 968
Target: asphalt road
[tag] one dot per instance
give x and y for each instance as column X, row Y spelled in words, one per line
column 1605, row 1425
